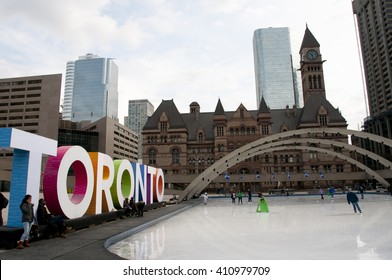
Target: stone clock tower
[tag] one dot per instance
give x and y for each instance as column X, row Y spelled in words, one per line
column 311, row 67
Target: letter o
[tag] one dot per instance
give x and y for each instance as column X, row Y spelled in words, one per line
column 55, row 182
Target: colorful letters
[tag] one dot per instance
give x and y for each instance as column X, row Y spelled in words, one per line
column 101, row 184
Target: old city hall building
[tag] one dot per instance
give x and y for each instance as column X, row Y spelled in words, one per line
column 185, row 144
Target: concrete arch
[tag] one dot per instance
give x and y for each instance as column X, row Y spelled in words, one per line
column 207, row 176
column 369, row 171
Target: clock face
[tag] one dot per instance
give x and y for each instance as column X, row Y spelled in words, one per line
column 311, row 54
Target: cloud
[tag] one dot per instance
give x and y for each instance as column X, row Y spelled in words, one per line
column 187, row 50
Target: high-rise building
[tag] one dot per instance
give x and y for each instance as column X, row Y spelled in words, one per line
column 30, row 104
column 273, row 67
column 68, row 90
column 374, row 23
column 138, row 113
column 95, row 89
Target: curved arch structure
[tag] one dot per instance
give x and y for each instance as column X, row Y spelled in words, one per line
column 269, row 143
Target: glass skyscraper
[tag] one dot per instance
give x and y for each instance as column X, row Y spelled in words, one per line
column 95, row 89
column 275, row 78
column 138, row 113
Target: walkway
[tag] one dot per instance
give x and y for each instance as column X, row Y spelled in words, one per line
column 89, row 244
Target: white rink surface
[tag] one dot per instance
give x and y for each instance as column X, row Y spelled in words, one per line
column 296, row 228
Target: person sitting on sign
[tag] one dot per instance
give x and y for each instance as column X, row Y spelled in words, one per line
column 262, row 207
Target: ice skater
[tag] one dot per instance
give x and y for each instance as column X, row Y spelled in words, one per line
column 331, row 191
column 240, row 195
column 262, row 207
column 352, row 198
column 233, row 197
column 205, row 198
column 321, row 192
column 361, row 191
column 249, row 196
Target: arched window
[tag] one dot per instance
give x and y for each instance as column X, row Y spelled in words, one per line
column 286, row 158
column 175, row 156
column 152, row 156
column 266, row 158
column 201, row 137
column 275, row 159
column 319, row 82
column 281, row 158
column 242, row 130
column 314, row 82
column 310, row 82
column 291, row 159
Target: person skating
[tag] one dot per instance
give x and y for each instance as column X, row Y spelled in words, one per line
column 262, row 206
column 321, row 192
column 240, row 196
column 233, row 197
column 205, row 198
column 249, row 196
column 352, row 198
column 361, row 191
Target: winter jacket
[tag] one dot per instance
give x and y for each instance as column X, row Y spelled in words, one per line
column 27, row 212
column 352, row 197
column 43, row 216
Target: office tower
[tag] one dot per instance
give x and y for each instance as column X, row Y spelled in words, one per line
column 31, row 104
column 374, row 25
column 95, row 89
column 68, row 90
column 138, row 113
column 273, row 67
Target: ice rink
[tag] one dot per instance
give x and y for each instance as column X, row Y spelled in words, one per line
column 297, row 227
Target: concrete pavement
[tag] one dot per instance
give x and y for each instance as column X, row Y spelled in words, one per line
column 91, row 243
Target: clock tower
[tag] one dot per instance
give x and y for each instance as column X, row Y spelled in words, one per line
column 311, row 66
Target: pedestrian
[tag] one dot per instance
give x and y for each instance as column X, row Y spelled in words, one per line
column 361, row 191
column 321, row 192
column 27, row 209
column 205, row 198
column 352, row 198
column 3, row 204
column 249, row 196
column 140, row 208
column 233, row 197
column 240, row 195
column 127, row 207
column 55, row 223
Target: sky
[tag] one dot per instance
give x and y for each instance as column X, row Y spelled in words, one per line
column 185, row 50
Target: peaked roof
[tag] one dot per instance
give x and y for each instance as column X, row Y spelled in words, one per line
column 169, row 108
column 219, row 109
column 309, row 41
column 311, row 109
column 263, row 108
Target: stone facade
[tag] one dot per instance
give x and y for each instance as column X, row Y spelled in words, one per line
column 185, row 144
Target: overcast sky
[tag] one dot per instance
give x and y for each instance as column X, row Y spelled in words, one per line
column 186, row 50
